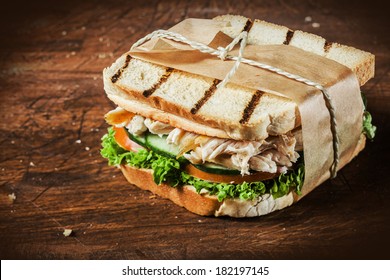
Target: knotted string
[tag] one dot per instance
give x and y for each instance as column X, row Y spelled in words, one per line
column 222, row 53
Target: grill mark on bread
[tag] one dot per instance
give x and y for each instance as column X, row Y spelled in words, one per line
column 248, row 111
column 327, row 46
column 118, row 73
column 208, row 93
column 162, row 80
column 248, row 25
column 289, row 35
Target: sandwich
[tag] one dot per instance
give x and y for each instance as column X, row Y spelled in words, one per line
column 231, row 150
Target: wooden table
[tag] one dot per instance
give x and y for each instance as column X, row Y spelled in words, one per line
column 52, row 56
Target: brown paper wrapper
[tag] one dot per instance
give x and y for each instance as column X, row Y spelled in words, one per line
column 340, row 81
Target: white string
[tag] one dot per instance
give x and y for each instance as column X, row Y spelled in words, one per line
column 243, row 37
column 222, row 53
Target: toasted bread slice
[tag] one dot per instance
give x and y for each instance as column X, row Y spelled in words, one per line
column 205, row 204
column 245, row 113
column 264, row 33
column 242, row 113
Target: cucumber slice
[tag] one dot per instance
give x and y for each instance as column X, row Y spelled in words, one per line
column 160, row 145
column 141, row 139
column 216, row 169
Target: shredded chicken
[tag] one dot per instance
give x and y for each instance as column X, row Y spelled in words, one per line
column 263, row 163
column 274, row 155
column 136, row 126
column 157, row 127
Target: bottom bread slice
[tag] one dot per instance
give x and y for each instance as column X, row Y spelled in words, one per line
column 203, row 203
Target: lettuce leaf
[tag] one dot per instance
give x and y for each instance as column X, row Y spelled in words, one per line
column 111, row 150
column 278, row 187
column 167, row 170
column 368, row 128
column 164, row 169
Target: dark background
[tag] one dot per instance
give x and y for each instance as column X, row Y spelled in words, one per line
column 51, row 94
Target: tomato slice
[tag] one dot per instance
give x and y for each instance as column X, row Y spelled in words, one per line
column 124, row 141
column 233, row 179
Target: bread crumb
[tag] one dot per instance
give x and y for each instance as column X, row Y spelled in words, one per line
column 94, row 78
column 87, row 148
column 12, row 197
column 64, row 33
column 199, row 221
column 152, row 196
column 83, row 28
column 101, row 55
column 32, row 164
column 315, row 24
column 78, row 141
column 308, row 19
column 73, row 53
column 101, row 39
column 12, row 142
column 67, row 232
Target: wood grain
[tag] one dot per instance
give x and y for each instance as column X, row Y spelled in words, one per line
column 51, row 95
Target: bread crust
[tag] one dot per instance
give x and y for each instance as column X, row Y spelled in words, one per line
column 185, row 196
column 204, row 204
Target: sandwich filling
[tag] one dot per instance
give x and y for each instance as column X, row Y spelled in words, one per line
column 223, row 167
column 274, row 155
